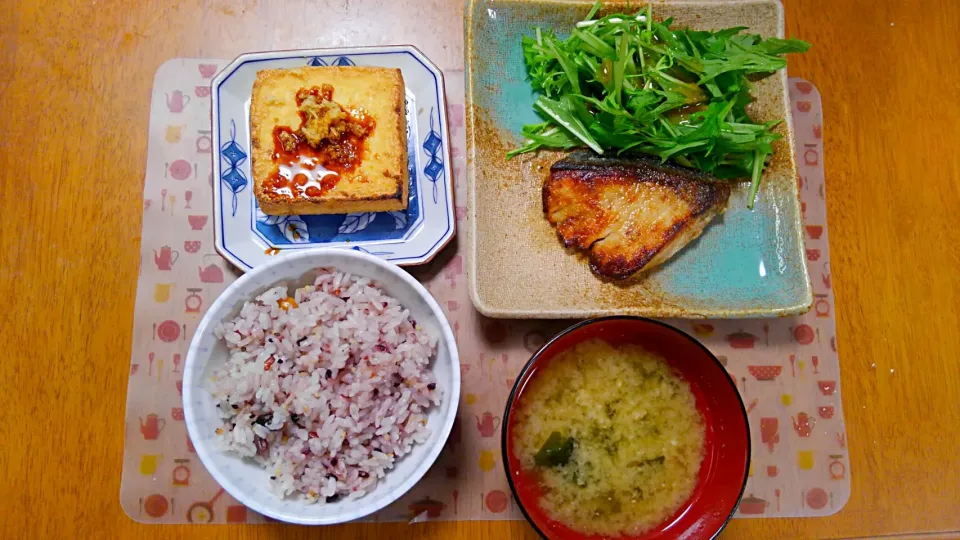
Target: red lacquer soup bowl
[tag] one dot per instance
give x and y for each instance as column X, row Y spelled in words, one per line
column 723, row 472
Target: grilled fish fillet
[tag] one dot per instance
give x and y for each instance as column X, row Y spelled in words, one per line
column 630, row 215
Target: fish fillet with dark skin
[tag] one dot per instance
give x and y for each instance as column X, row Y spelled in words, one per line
column 629, row 215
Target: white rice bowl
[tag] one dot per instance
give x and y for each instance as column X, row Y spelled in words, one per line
column 330, row 405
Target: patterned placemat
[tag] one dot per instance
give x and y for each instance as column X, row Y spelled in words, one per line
column 787, row 369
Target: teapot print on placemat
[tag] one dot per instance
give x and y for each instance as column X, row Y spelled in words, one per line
column 487, row 424
column 177, row 101
column 803, row 424
column 165, row 258
column 151, row 428
column 210, row 273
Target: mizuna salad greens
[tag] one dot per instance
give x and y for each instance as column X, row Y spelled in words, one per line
column 626, row 83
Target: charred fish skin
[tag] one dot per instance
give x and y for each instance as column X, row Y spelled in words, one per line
column 629, row 214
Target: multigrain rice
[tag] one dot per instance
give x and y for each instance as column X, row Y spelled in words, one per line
column 325, row 389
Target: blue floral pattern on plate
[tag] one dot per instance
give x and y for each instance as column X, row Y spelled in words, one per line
column 433, row 146
column 339, row 61
column 247, row 237
column 233, row 154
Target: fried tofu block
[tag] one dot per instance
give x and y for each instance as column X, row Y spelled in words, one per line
column 629, row 215
column 329, row 140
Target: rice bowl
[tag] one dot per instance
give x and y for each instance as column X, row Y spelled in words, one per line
column 348, row 401
column 321, row 387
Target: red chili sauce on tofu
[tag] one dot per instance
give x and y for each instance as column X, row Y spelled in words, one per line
column 329, row 136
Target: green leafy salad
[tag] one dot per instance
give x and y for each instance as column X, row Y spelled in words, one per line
column 626, row 83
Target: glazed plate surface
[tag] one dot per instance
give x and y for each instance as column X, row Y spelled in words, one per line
column 747, row 263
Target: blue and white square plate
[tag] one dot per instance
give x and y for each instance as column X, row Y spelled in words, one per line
column 247, row 237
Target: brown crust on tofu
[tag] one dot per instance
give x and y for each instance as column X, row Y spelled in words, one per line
column 354, row 191
column 629, row 215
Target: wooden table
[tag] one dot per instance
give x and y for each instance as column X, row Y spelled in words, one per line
column 74, row 91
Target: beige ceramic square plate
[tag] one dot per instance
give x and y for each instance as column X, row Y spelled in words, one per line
column 748, row 263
